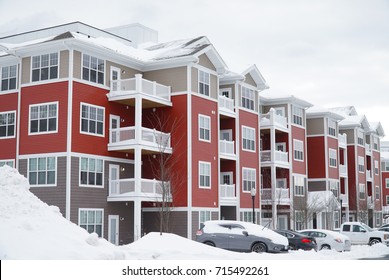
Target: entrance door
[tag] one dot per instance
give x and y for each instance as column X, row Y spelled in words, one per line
column 114, row 133
column 282, row 222
column 115, row 79
column 114, row 179
column 113, row 229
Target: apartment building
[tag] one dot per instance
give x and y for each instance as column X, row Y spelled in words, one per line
column 283, row 159
column 363, row 166
column 385, row 178
column 112, row 132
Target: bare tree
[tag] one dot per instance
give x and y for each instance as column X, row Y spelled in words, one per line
column 163, row 163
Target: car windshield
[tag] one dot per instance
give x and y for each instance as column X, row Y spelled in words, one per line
column 367, row 227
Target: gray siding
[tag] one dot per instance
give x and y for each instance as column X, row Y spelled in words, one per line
column 177, row 223
column 64, row 64
column 204, row 61
column 126, row 72
column 26, row 70
column 249, row 80
column 315, row 126
column 77, row 65
column 176, row 78
column 316, row 186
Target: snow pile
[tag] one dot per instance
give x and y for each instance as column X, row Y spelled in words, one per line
column 31, row 229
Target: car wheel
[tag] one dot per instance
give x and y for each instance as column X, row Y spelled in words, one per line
column 259, row 247
column 325, row 247
column 374, row 241
column 209, row 243
column 292, row 247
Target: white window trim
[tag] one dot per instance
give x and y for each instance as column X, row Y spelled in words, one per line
column 29, row 118
column 331, row 153
column 5, row 161
column 229, row 90
column 56, row 171
column 243, row 178
column 376, row 167
column 210, row 128
column 92, row 209
column 375, row 193
column 58, row 68
column 360, row 192
column 250, row 99
column 360, row 133
column 297, row 142
column 209, row 84
column 387, row 183
column 82, row 66
column 255, row 138
column 15, row 122
column 300, row 109
column 361, row 162
column 1, row 79
column 332, row 124
column 79, row 173
column 88, row 133
column 387, row 200
column 210, row 175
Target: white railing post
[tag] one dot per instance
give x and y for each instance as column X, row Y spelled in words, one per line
column 138, row 82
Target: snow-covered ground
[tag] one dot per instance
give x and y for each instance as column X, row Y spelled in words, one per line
column 31, row 229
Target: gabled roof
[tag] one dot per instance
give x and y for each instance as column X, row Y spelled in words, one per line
column 318, row 111
column 275, row 96
column 355, row 121
column 377, row 128
column 346, row 110
column 257, row 77
column 230, row 77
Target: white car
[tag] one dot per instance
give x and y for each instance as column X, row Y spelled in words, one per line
column 330, row 240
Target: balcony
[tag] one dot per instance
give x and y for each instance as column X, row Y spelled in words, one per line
column 126, row 138
column 125, row 90
column 368, row 149
column 343, row 170
column 226, row 106
column 272, row 119
column 128, row 190
column 280, row 158
column 227, row 149
column 227, row 194
column 370, row 202
column 368, row 175
column 342, row 140
column 282, row 196
column 344, row 198
column 385, row 209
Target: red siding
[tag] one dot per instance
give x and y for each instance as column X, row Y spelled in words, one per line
column 299, row 167
column 385, row 190
column 50, row 142
column 316, row 157
column 351, row 165
column 204, row 151
column 9, row 102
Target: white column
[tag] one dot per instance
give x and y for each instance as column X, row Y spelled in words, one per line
column 137, row 219
column 273, row 178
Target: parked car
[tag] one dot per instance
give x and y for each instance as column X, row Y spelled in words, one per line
column 297, row 240
column 327, row 239
column 361, row 234
column 241, row 236
column 384, row 226
column 384, row 229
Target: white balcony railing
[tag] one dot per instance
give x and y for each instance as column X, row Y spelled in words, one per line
column 227, row 191
column 272, row 118
column 227, row 147
column 368, row 175
column 344, row 198
column 226, row 103
column 127, row 135
column 342, row 139
column 343, row 170
column 278, row 157
column 148, row 190
column 139, row 85
column 282, row 196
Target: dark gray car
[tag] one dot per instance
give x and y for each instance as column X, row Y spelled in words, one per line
column 241, row 237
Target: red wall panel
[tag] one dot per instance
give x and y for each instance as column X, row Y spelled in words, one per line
column 316, row 157
column 9, row 102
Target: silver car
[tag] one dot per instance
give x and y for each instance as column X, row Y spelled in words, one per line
column 241, row 237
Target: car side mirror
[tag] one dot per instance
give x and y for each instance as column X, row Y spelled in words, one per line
column 245, row 233
column 363, row 230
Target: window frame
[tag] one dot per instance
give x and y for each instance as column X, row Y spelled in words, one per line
column 331, row 127
column 90, row 68
column 49, row 66
column 249, row 176
column 204, row 83
column 208, row 118
column 6, row 162
column 299, row 190
column 377, row 193
column 298, row 146
column 360, row 138
column 89, row 120
column 95, row 210
column 362, row 191
column 297, row 115
column 247, row 99
column 361, row 164
column 39, row 105
column 332, row 161
column 201, row 174
column 376, row 167
column 6, row 113
column 246, row 140
column 88, row 172
column 8, row 78
column 46, row 170
column 387, row 183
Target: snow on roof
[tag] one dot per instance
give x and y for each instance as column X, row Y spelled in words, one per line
column 345, row 111
column 321, row 111
column 273, row 96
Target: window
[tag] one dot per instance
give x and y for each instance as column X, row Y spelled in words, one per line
column 41, row 171
column 91, row 172
column 92, row 119
column 385, row 165
column 377, row 192
column 248, row 98
column 360, row 138
column 204, row 175
column 299, row 185
column 7, row 124
column 281, row 183
column 362, row 194
column 376, row 167
column 332, row 127
column 91, row 220
column 249, row 179
column 44, row 67
column 8, row 78
column 204, row 216
column 378, row 218
column 226, row 92
column 247, row 216
column 333, row 157
column 387, row 183
column 92, row 69
column 298, row 114
column 387, row 200
column 376, row 146
column 334, row 187
column 204, row 82
column 298, row 219
column 248, row 138
column 10, row 163
column 361, row 164
column 43, row 118
column 298, row 150
column 204, row 128
column 336, row 219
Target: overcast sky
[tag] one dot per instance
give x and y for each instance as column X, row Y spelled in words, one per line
column 328, row 52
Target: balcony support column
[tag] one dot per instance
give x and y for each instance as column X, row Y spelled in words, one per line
column 274, row 198
column 138, row 190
